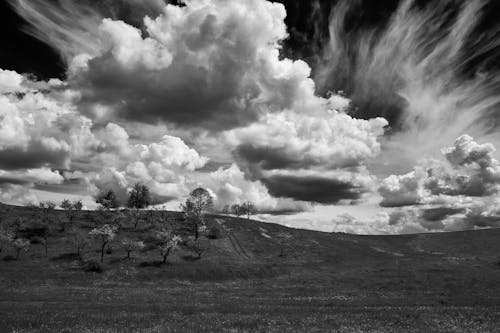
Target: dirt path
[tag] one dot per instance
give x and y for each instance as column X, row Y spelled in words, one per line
column 235, row 244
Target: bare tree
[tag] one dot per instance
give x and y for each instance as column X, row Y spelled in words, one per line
column 80, row 241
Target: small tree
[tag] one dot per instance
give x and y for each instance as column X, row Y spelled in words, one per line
column 139, row 197
column 78, row 205
column 105, row 234
column 107, row 199
column 248, row 209
column 47, row 205
column 133, row 216
column 237, row 210
column 167, row 242
column 131, row 245
column 70, row 208
column 80, row 241
column 226, row 210
column 21, row 244
column 198, row 246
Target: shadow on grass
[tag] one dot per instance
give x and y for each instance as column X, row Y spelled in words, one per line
column 190, row 258
column 154, row 263
column 9, row 258
column 66, row 257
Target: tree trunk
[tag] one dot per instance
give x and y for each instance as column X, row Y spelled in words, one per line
column 102, row 251
column 17, row 253
column 165, row 256
column 128, row 254
column 196, row 233
column 46, row 246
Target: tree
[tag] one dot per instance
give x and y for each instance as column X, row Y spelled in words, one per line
column 21, row 244
column 201, row 199
column 131, row 245
column 70, row 208
column 226, row 210
column 139, row 197
column 80, row 241
column 167, row 242
column 198, row 246
column 47, row 205
column 78, row 205
column 134, row 216
column 105, row 234
column 236, row 210
column 107, row 199
column 198, row 202
column 248, row 209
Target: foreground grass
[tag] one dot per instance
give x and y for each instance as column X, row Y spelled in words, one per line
column 284, row 281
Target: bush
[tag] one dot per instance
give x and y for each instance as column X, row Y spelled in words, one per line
column 92, row 266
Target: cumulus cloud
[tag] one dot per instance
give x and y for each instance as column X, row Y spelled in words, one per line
column 214, row 64
column 318, row 155
column 469, row 170
column 456, row 193
column 231, row 186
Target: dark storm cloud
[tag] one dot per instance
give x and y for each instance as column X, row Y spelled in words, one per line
column 267, row 158
column 184, row 94
column 35, row 156
column 315, row 189
column 439, row 213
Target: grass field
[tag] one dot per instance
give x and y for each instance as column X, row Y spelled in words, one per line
column 257, row 277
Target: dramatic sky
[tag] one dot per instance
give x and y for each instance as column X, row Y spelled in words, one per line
column 350, row 115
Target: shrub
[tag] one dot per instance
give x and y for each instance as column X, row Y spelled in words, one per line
column 21, row 244
column 6, row 238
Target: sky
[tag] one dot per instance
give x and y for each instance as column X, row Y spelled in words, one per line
column 345, row 116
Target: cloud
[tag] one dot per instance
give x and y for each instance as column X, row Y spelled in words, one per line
column 469, row 170
column 456, row 193
column 212, row 64
column 317, row 156
column 231, row 186
column 404, row 190
column 426, row 68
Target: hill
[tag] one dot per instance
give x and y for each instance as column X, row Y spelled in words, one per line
column 253, row 276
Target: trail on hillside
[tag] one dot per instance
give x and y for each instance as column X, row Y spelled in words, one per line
column 235, row 243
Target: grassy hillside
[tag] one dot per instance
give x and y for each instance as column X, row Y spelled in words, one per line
column 253, row 277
